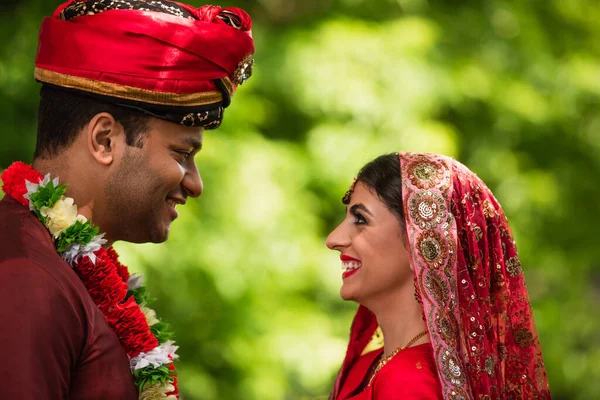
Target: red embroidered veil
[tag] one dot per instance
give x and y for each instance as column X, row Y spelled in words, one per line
column 471, row 284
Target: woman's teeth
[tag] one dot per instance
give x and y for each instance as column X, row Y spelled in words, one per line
column 350, row 265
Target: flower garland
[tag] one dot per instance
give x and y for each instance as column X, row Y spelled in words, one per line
column 120, row 296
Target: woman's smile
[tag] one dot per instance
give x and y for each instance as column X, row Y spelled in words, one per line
column 349, row 265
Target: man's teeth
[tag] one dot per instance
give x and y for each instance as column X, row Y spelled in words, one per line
column 350, row 265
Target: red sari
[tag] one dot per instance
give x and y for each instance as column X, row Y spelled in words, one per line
column 470, row 281
column 410, row 375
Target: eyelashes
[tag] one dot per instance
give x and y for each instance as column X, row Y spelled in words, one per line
column 358, row 218
column 183, row 155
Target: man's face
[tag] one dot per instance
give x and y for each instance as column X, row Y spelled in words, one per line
column 150, row 181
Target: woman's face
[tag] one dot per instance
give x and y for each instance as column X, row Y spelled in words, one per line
column 375, row 261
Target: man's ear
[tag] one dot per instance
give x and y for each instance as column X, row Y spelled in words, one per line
column 105, row 138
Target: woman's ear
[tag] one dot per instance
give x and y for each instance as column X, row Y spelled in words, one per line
column 406, row 244
column 405, row 237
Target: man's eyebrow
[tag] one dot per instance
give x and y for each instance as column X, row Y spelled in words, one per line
column 359, row 206
column 193, row 143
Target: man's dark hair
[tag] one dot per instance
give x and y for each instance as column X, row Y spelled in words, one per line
column 383, row 176
column 62, row 114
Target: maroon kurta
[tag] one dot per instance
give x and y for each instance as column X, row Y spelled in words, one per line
column 56, row 343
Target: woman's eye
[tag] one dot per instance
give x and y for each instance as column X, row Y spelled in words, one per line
column 359, row 219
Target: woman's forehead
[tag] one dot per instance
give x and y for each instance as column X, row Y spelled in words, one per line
column 365, row 195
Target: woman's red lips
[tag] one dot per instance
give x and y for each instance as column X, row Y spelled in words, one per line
column 349, row 265
column 349, row 273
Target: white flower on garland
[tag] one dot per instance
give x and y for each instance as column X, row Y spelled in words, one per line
column 150, row 315
column 34, row 187
column 157, row 392
column 61, row 216
column 134, row 282
column 76, row 250
column 160, row 355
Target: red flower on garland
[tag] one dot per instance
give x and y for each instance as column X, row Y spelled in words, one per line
column 13, row 180
column 101, row 280
column 174, row 383
column 121, row 269
column 129, row 323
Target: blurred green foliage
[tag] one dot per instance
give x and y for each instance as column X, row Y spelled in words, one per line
column 510, row 88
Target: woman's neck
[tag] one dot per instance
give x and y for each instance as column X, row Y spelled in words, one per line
column 400, row 319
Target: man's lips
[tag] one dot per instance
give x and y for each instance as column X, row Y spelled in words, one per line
column 172, row 202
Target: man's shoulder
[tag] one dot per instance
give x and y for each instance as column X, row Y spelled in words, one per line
column 26, row 275
column 23, row 236
column 28, row 259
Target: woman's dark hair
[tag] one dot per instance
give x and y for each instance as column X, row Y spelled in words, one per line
column 383, row 176
column 63, row 113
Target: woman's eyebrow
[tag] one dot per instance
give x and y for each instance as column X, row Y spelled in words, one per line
column 360, row 206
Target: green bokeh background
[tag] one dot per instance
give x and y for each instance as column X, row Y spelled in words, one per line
column 510, row 88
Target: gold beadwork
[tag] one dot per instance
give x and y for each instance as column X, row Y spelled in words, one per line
column 424, row 172
column 243, row 72
column 513, row 266
column 348, row 195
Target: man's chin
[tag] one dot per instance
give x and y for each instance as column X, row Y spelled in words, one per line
column 156, row 235
column 160, row 236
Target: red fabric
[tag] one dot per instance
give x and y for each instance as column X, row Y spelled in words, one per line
column 57, row 344
column 363, row 327
column 143, row 49
column 471, row 283
column 410, row 375
column 210, row 13
column 358, row 374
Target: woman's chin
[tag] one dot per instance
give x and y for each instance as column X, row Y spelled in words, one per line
column 348, row 293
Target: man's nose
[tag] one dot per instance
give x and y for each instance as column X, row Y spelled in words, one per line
column 192, row 182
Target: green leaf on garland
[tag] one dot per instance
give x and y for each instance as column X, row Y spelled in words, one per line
column 141, row 296
column 161, row 330
column 81, row 233
column 151, row 375
column 47, row 195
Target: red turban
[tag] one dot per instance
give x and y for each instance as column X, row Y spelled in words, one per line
column 164, row 58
